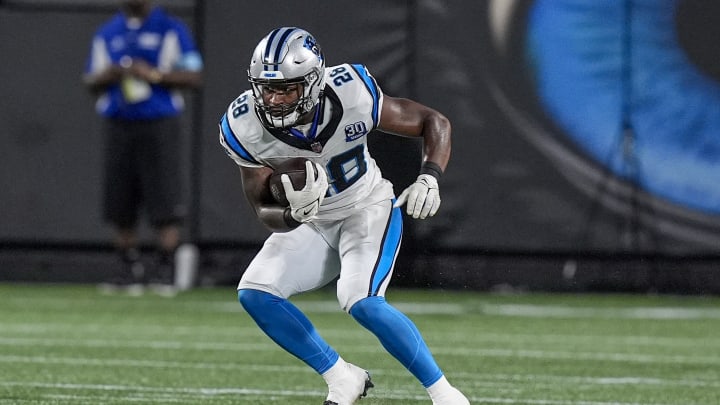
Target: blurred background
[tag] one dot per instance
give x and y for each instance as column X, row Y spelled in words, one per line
column 586, row 138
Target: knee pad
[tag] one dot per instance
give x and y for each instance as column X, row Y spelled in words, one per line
column 253, row 300
column 366, row 307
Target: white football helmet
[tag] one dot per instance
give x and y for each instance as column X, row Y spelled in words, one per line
column 286, row 56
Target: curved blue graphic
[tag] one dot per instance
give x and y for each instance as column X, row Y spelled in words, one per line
column 597, row 67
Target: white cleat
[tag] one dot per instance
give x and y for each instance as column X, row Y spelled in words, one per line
column 451, row 397
column 351, row 388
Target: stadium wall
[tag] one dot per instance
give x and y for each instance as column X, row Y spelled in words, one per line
column 530, row 200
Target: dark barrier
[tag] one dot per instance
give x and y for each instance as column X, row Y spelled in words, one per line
column 562, row 150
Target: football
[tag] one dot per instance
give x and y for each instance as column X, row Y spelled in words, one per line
column 295, row 169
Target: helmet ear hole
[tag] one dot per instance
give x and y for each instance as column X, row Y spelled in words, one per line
column 307, row 106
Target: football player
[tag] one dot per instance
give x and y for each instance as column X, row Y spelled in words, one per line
column 345, row 221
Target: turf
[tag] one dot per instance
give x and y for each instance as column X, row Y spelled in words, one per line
column 63, row 344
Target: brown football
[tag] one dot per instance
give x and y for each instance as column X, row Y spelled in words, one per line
column 295, row 169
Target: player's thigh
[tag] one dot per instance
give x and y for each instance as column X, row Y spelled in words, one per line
column 291, row 263
column 369, row 244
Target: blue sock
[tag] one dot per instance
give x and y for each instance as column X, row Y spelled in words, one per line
column 399, row 336
column 288, row 327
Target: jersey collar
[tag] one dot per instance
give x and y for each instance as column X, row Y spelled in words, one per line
column 314, row 141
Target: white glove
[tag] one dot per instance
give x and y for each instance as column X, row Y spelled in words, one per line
column 305, row 203
column 422, row 197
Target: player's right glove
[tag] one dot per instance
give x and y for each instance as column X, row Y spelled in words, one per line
column 422, row 197
column 305, row 203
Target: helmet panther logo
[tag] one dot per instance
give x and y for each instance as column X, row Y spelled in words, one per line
column 312, row 45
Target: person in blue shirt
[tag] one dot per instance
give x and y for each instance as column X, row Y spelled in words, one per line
column 139, row 63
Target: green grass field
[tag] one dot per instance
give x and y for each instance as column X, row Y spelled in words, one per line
column 72, row 345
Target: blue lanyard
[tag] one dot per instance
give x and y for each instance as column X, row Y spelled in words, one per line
column 313, row 128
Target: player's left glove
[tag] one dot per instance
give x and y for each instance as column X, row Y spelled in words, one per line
column 422, row 197
column 305, row 203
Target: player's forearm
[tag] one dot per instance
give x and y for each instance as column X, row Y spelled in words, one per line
column 255, row 187
column 437, row 140
column 275, row 218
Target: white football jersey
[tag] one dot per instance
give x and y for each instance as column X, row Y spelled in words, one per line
column 349, row 109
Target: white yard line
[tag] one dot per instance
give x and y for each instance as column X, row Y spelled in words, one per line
column 468, row 351
column 165, row 394
column 557, row 311
column 137, row 344
column 236, row 333
column 531, row 310
column 242, row 347
column 147, row 329
column 488, row 379
column 164, row 364
column 513, row 310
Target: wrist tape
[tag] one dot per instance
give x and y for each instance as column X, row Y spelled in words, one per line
column 431, row 169
column 289, row 220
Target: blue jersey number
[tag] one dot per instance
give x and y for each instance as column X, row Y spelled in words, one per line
column 340, row 75
column 240, row 106
column 346, row 168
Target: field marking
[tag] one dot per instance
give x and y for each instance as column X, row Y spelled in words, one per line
column 554, row 380
column 210, row 392
column 423, row 308
column 558, row 311
column 534, row 311
column 137, row 344
column 103, row 362
column 493, row 379
column 94, row 400
column 236, row 332
column 202, row 392
column 84, row 328
column 463, row 351
column 269, row 346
